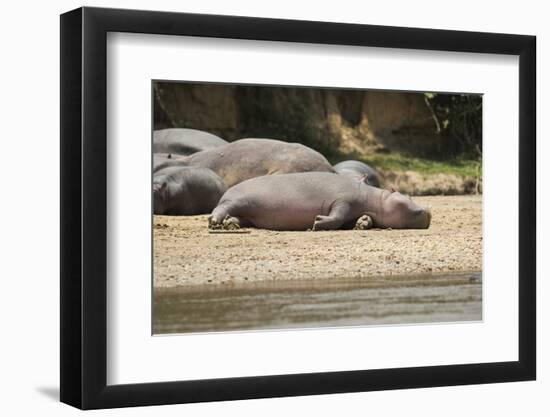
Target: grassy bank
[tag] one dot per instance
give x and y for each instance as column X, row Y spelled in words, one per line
column 422, row 176
column 398, row 162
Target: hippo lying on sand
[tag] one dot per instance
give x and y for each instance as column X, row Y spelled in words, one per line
column 160, row 160
column 186, row 191
column 184, row 141
column 315, row 200
column 249, row 158
column 357, row 169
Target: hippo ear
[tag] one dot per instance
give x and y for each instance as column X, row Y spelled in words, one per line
column 169, row 156
column 391, row 190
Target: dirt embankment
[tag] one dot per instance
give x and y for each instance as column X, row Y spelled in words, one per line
column 185, row 253
column 415, row 183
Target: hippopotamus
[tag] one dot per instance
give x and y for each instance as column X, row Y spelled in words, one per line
column 358, row 170
column 160, row 158
column 184, row 141
column 186, row 191
column 249, row 158
column 317, row 201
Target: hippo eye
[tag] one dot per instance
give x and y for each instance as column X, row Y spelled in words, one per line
column 401, row 204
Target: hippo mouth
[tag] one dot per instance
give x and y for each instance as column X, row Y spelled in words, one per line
column 424, row 219
column 421, row 219
column 428, row 219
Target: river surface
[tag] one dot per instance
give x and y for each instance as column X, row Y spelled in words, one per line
column 312, row 304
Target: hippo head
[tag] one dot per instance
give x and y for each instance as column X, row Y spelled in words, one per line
column 159, row 197
column 398, row 211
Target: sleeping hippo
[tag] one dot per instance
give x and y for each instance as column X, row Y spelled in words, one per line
column 249, row 158
column 358, row 169
column 160, row 158
column 315, row 200
column 184, row 141
column 186, row 191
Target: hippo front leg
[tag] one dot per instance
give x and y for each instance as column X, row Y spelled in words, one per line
column 364, row 222
column 335, row 219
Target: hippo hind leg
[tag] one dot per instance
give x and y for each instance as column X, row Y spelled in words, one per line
column 215, row 220
column 221, row 219
column 228, row 223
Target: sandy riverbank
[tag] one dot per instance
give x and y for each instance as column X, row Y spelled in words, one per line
column 185, row 253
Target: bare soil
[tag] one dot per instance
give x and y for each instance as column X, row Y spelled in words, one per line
column 186, row 253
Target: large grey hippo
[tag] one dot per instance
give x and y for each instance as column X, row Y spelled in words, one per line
column 186, row 191
column 184, row 141
column 315, row 200
column 358, row 170
column 249, row 158
column 159, row 160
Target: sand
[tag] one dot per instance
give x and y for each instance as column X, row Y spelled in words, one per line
column 185, row 253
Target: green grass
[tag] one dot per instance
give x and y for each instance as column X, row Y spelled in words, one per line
column 399, row 162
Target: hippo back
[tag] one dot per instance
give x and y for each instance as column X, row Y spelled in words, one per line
column 190, row 190
column 249, row 158
column 163, row 160
column 184, row 141
column 358, row 169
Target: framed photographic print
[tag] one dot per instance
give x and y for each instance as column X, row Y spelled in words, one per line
column 257, row 208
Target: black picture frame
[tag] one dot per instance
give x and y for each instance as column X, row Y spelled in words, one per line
column 84, row 207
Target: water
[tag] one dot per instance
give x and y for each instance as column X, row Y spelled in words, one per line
column 310, row 304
